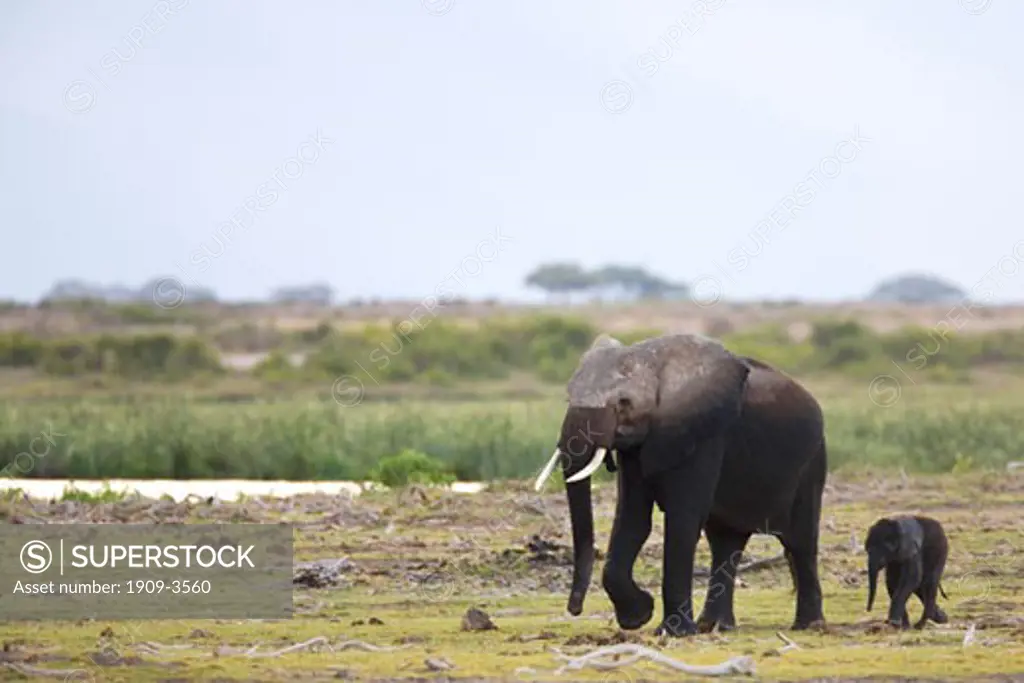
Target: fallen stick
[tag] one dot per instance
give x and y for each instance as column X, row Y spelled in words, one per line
column 748, row 567
column 285, row 650
column 154, row 648
column 63, row 674
column 735, row 665
column 360, row 645
column 789, row 644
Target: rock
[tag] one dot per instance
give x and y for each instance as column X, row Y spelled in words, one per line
column 438, row 664
column 321, row 573
column 477, row 620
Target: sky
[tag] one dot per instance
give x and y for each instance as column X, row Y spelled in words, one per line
column 784, row 149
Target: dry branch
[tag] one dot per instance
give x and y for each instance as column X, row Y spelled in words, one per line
column 319, row 640
column 291, row 648
column 360, row 645
column 63, row 674
column 789, row 644
column 748, row 566
column 733, row 666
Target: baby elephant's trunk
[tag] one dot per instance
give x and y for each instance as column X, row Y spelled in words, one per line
column 874, row 567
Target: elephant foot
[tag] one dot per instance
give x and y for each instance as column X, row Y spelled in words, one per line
column 636, row 613
column 939, row 617
column 707, row 624
column 898, row 624
column 676, row 626
column 816, row 624
column 809, row 615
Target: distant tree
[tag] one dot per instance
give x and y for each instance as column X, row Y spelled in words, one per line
column 74, row 290
column 917, row 289
column 321, row 293
column 637, row 282
column 167, row 288
column 159, row 289
column 560, row 278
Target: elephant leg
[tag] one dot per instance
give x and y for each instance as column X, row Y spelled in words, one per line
column 685, row 493
column 682, row 532
column 893, row 576
column 726, row 549
column 905, row 581
column 801, row 548
column 634, row 606
column 929, row 593
column 791, row 563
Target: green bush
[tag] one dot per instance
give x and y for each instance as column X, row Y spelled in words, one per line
column 410, row 467
column 438, row 351
column 164, row 356
column 19, row 350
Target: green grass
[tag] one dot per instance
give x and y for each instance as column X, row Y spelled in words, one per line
column 931, row 428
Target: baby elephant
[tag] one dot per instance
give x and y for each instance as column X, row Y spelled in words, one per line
column 913, row 551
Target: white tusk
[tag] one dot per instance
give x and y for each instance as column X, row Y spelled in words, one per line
column 591, row 467
column 548, row 469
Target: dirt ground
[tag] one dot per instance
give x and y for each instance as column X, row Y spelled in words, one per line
column 425, row 584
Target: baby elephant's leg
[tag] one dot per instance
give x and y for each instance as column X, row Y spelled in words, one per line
column 893, row 578
column 929, row 593
column 901, row 586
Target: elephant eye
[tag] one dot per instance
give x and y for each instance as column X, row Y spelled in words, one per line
column 625, row 405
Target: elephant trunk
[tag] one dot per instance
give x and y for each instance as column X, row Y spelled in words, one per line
column 874, row 567
column 587, row 435
column 582, row 515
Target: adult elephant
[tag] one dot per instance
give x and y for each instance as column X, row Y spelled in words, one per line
column 720, row 442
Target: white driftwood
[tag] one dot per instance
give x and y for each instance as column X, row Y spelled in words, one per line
column 360, row 645
column 286, row 650
column 789, row 644
column 63, row 674
column 733, row 666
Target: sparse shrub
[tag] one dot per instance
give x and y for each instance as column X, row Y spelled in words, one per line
column 105, row 495
column 164, row 356
column 19, row 350
column 274, row 367
column 410, row 467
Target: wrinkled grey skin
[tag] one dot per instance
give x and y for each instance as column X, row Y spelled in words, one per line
column 719, row 442
column 913, row 551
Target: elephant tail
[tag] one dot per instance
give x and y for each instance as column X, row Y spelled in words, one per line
column 942, row 591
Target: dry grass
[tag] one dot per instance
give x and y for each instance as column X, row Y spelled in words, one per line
column 417, row 560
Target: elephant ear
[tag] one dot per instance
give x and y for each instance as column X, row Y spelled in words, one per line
column 911, row 537
column 597, row 376
column 699, row 394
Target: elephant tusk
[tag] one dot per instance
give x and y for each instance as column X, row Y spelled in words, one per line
column 548, row 469
column 591, row 467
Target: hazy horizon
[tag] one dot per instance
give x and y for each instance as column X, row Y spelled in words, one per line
column 793, row 151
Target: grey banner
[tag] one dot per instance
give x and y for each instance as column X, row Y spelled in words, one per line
column 145, row 571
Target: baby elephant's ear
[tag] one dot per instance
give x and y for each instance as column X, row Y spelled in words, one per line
column 911, row 537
